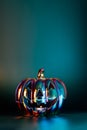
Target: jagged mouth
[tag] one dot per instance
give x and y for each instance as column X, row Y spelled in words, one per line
column 42, row 106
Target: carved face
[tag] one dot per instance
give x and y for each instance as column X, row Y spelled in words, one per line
column 40, row 95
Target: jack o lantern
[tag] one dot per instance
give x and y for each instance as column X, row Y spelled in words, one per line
column 40, row 95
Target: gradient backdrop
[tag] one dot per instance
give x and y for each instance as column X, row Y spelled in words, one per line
column 43, row 33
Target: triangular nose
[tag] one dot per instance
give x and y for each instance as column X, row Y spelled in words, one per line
column 39, row 94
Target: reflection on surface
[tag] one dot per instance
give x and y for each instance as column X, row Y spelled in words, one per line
column 61, row 122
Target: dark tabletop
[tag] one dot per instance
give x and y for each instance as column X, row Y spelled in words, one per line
column 73, row 121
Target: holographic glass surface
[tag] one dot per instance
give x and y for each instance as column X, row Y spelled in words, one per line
column 41, row 95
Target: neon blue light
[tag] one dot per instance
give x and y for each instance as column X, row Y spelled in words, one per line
column 60, row 100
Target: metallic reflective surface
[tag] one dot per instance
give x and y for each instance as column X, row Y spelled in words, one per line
column 41, row 95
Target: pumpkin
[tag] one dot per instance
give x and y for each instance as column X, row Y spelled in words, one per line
column 40, row 95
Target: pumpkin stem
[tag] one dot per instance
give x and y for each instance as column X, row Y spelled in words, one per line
column 41, row 73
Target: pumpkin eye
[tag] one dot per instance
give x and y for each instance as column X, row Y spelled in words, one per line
column 39, row 94
column 51, row 86
column 39, row 89
column 51, row 91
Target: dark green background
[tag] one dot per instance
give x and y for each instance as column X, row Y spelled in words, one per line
column 43, row 33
